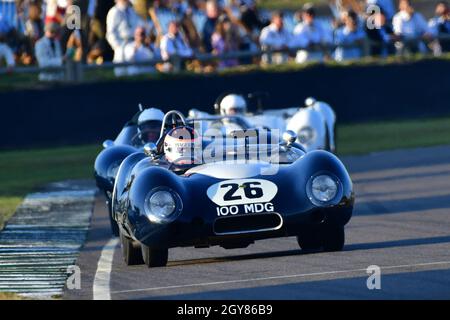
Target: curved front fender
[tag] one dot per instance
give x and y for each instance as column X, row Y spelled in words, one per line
column 106, row 158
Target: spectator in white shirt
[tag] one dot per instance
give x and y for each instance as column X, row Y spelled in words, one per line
column 173, row 44
column 275, row 37
column 49, row 53
column 411, row 27
column 309, row 34
column 121, row 22
column 137, row 51
column 349, row 38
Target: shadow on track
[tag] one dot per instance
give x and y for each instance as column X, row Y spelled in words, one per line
column 349, row 247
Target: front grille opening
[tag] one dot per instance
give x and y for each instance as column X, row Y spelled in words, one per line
column 247, row 223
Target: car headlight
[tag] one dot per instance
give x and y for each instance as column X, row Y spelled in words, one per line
column 162, row 206
column 306, row 135
column 323, row 189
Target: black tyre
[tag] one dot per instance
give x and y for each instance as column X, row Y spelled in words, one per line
column 154, row 257
column 131, row 251
column 327, row 139
column 333, row 238
column 335, row 140
column 114, row 226
column 310, row 239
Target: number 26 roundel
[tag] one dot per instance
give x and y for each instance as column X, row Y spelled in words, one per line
column 242, row 191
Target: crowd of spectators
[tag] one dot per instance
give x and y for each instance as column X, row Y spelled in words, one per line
column 43, row 32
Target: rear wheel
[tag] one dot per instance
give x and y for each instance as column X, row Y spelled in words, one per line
column 131, row 251
column 333, row 238
column 154, row 257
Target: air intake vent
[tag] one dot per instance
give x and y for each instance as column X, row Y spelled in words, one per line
column 248, row 223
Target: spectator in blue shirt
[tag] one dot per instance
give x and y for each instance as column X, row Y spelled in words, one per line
column 440, row 24
column 349, row 38
column 411, row 28
column 310, row 36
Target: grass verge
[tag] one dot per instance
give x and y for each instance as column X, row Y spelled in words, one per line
column 11, row 296
column 364, row 138
column 23, row 171
column 286, row 4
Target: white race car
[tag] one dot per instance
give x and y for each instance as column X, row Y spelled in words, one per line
column 314, row 124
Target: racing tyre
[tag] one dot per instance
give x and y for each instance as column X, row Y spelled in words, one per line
column 335, row 140
column 309, row 239
column 131, row 251
column 154, row 257
column 327, row 139
column 114, row 226
column 333, row 238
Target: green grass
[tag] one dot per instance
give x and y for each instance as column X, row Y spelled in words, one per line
column 23, row 171
column 286, row 4
column 11, row 296
column 8, row 205
column 379, row 136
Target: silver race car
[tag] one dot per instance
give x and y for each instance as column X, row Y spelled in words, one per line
column 314, row 124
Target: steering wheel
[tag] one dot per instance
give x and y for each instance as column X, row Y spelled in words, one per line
column 172, row 115
column 172, row 119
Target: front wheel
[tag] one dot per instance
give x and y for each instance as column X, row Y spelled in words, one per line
column 154, row 257
column 310, row 239
column 112, row 222
column 131, row 251
column 333, row 238
column 114, row 226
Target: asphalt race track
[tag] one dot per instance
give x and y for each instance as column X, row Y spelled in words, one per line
column 401, row 223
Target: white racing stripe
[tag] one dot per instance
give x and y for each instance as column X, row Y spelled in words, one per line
column 101, row 289
column 304, row 275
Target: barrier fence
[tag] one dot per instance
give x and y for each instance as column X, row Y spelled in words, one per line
column 74, row 71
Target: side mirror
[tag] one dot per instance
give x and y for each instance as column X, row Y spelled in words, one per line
column 150, row 149
column 289, row 137
column 108, row 144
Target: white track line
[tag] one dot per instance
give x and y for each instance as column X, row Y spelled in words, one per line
column 100, row 288
column 283, row 277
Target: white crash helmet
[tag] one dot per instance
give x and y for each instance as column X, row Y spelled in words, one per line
column 233, row 104
column 309, row 102
column 180, row 144
column 149, row 124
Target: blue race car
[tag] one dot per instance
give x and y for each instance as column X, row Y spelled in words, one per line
column 204, row 190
